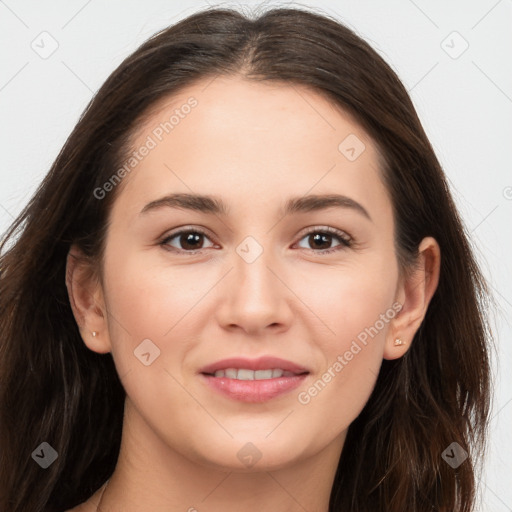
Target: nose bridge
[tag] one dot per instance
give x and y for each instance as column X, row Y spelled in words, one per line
column 252, row 269
column 256, row 297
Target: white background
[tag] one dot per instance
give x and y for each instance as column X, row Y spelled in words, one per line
column 465, row 104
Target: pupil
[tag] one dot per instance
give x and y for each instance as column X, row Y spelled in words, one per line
column 190, row 237
column 318, row 238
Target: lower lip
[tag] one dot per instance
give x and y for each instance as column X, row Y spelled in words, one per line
column 254, row 390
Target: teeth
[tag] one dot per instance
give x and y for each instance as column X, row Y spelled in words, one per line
column 262, row 374
column 244, row 374
column 230, row 373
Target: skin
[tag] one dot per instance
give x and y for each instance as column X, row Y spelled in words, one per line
column 254, row 145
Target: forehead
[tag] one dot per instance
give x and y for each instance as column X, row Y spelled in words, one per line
column 234, row 105
column 262, row 139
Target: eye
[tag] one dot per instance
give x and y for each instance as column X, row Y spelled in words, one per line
column 189, row 239
column 325, row 235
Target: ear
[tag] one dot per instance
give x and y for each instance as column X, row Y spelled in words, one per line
column 414, row 292
column 87, row 301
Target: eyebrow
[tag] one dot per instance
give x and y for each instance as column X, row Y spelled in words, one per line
column 216, row 206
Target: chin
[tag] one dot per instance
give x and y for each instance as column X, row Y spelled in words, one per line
column 244, row 456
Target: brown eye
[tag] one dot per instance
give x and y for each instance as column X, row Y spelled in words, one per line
column 320, row 240
column 187, row 240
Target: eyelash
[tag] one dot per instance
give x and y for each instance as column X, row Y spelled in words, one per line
column 345, row 241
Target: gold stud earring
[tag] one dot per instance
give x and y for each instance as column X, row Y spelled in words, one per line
column 94, row 333
column 399, row 342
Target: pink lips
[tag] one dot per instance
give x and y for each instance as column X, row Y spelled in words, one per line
column 254, row 390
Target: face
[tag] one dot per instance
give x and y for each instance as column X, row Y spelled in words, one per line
column 186, row 287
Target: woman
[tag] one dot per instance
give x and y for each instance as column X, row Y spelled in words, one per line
column 243, row 285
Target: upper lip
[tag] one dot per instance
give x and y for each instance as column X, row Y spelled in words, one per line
column 261, row 363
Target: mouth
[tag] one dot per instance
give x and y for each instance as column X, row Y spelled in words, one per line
column 247, row 374
column 242, row 368
column 256, row 380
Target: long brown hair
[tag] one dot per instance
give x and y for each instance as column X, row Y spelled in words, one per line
column 55, row 390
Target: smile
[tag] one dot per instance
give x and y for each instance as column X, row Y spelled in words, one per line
column 246, row 374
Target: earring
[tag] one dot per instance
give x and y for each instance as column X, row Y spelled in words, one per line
column 398, row 342
column 94, row 333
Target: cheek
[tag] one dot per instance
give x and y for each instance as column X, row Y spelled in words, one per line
column 353, row 357
column 356, row 311
column 150, row 306
column 144, row 305
column 147, row 296
column 335, row 399
column 350, row 301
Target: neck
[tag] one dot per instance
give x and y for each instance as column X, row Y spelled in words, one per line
column 99, row 507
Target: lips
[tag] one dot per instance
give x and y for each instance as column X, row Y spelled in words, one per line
column 259, row 364
column 253, row 380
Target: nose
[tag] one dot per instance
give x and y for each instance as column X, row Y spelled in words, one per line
column 255, row 297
